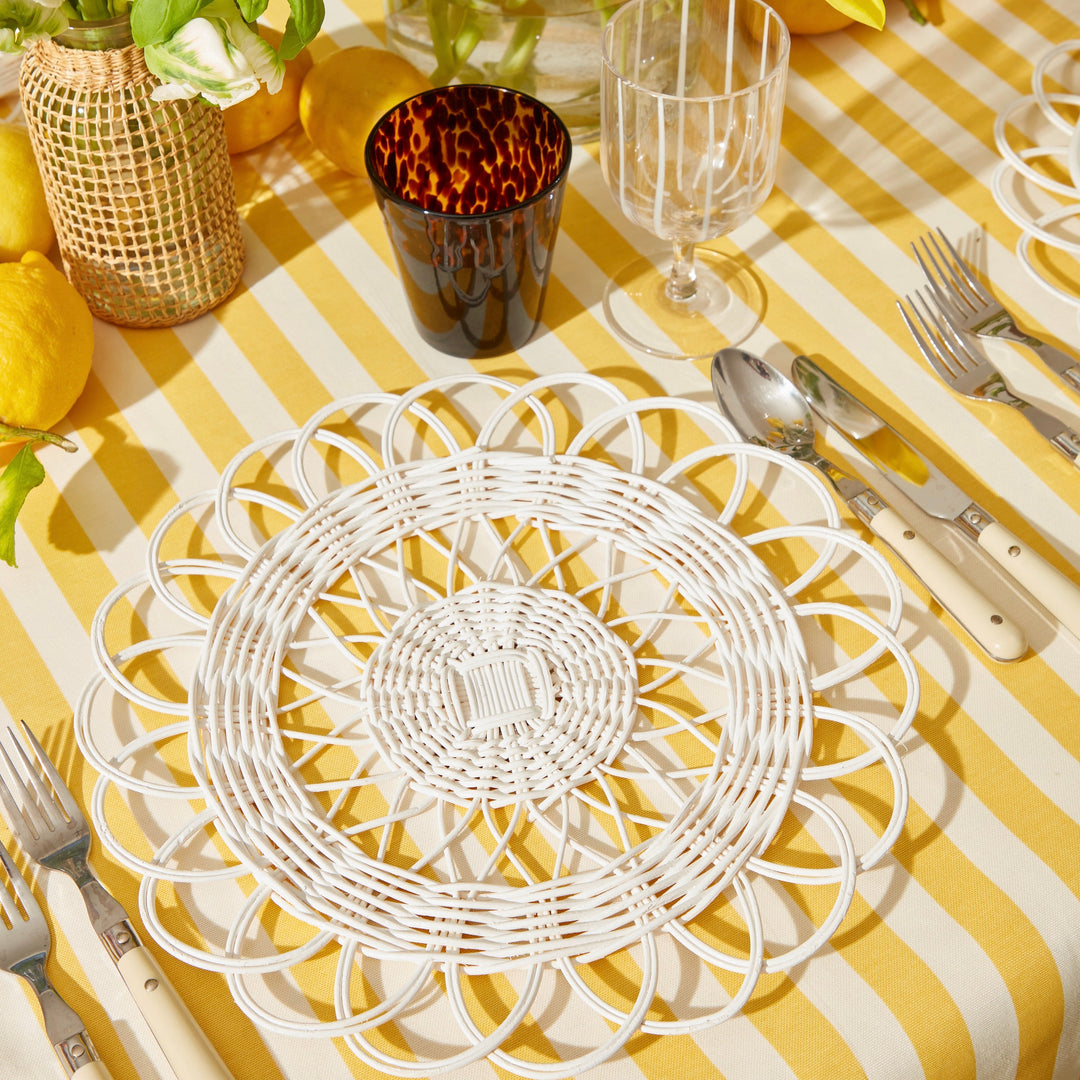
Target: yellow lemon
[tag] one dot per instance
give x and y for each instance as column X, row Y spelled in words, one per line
column 24, row 215
column 264, row 116
column 810, row 16
column 46, row 343
column 346, row 93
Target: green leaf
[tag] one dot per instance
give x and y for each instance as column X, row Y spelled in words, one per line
column 871, row 12
column 915, row 13
column 303, row 25
column 23, row 474
column 251, row 9
column 155, row 21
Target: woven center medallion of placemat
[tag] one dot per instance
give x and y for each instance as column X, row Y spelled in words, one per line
column 502, row 693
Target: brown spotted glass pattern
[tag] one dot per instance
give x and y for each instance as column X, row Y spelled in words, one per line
column 470, row 183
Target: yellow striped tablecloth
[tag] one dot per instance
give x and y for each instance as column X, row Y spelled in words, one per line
column 960, row 955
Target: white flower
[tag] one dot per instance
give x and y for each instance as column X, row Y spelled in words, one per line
column 24, row 21
column 216, row 55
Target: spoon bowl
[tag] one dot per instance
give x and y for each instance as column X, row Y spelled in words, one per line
column 764, row 405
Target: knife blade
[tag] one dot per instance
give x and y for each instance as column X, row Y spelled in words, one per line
column 934, row 493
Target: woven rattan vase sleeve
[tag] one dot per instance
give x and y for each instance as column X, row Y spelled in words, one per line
column 140, row 192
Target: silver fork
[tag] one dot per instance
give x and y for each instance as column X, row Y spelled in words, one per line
column 970, row 307
column 47, row 820
column 24, row 948
column 974, row 376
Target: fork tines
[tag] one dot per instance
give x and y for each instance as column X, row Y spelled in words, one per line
column 17, row 903
column 952, row 283
column 44, row 807
column 936, row 338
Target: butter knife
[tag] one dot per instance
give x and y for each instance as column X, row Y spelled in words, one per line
column 934, row 493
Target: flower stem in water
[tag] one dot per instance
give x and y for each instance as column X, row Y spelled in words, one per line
column 515, row 59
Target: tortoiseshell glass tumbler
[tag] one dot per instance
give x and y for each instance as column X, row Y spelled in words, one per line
column 470, row 182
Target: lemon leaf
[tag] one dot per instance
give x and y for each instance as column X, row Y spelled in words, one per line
column 23, row 474
column 871, row 12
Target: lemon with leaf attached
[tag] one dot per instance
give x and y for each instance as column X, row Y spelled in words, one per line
column 25, row 224
column 346, row 93
column 46, row 347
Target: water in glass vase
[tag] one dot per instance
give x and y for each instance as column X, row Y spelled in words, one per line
column 547, row 48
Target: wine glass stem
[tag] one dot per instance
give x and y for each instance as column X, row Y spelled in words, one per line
column 682, row 283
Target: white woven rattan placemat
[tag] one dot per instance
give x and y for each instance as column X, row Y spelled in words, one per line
column 499, row 696
column 1037, row 183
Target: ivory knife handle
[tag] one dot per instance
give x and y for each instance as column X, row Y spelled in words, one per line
column 92, row 1070
column 1059, row 595
column 998, row 635
column 183, row 1042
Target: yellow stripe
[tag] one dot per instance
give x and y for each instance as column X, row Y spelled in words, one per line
column 810, row 1045
column 382, row 357
column 190, row 393
column 1002, row 931
column 867, row 197
column 917, row 998
column 131, row 471
column 917, row 152
column 989, row 49
column 295, row 386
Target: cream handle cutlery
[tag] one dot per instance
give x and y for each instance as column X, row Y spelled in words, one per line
column 25, row 942
column 932, row 491
column 1050, row 587
column 189, row 1052
column 47, row 820
column 998, row 635
column 767, row 408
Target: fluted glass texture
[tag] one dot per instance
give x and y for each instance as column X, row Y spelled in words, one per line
column 696, row 93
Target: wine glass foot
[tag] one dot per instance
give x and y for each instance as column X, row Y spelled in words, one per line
column 724, row 310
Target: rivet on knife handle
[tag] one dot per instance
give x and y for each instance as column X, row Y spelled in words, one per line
column 994, row 631
column 1057, row 593
column 182, row 1041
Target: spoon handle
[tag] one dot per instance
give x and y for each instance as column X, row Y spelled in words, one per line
column 995, row 632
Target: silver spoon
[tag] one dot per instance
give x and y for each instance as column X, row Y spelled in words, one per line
column 767, row 408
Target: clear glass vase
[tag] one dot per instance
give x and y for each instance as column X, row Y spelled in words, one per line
column 547, row 48
column 140, row 192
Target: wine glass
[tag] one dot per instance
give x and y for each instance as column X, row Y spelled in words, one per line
column 691, row 100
